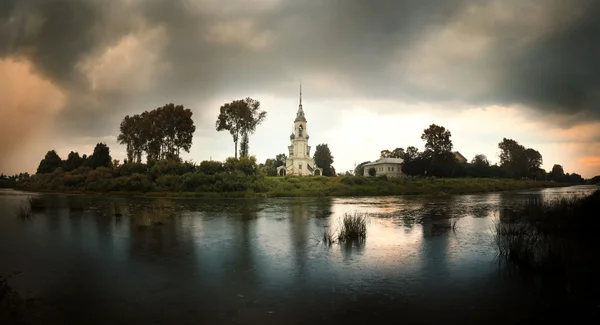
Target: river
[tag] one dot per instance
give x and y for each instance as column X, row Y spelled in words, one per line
column 260, row 261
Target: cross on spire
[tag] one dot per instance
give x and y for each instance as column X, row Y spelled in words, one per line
column 301, row 92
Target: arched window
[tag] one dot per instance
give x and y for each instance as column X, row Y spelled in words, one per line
column 300, row 128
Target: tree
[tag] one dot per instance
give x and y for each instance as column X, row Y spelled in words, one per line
column 512, row 158
column 360, row 169
column 162, row 133
column 480, row 160
column 398, row 153
column 533, row 158
column 280, row 159
column 253, row 117
column 50, row 163
column 73, row 161
column 385, row 154
column 324, row 159
column 240, row 118
column 100, row 157
column 437, row 139
column 557, row 174
column 372, row 171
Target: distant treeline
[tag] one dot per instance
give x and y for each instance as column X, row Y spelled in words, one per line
column 439, row 160
column 162, row 133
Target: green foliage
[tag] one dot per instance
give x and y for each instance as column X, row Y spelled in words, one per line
column 100, row 157
column 73, row 162
column 437, row 139
column 162, row 133
column 50, row 163
column 246, row 165
column 211, row 167
column 360, row 169
column 324, row 159
column 170, row 167
column 133, row 168
column 240, row 117
column 372, row 171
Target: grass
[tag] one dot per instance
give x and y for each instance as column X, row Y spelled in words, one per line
column 555, row 240
column 352, row 228
column 36, row 203
column 320, row 186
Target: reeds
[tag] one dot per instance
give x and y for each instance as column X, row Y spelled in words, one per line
column 36, row 203
column 353, row 227
column 535, row 237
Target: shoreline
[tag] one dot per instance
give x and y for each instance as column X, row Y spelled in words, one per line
column 335, row 187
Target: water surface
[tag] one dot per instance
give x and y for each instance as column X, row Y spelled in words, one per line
column 208, row 261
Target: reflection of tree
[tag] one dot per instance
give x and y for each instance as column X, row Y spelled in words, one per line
column 299, row 219
column 323, row 207
column 436, row 225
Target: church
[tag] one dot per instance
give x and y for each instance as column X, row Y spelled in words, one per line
column 299, row 161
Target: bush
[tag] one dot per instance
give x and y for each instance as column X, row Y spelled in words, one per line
column 170, row 167
column 133, row 168
column 135, row 183
column 170, row 183
column 246, row 165
column 211, row 167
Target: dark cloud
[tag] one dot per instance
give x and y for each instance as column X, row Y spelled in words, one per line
column 354, row 43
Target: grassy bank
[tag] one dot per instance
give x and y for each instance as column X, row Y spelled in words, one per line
column 556, row 242
column 329, row 186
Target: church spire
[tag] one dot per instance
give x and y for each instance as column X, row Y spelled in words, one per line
column 300, row 113
column 300, row 93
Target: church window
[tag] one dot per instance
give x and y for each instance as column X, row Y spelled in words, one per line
column 300, row 130
column 300, row 166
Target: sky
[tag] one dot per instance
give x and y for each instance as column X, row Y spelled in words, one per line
column 374, row 74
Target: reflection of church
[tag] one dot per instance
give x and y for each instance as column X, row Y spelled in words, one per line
column 299, row 162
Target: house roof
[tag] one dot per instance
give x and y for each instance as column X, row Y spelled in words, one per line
column 385, row 161
column 460, row 155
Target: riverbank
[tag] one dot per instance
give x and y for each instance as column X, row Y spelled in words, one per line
column 346, row 186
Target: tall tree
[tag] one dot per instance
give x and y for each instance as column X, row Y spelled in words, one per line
column 240, row 118
column 512, row 157
column 557, row 174
column 253, row 117
column 231, row 118
column 533, row 158
column 385, row 154
column 100, row 157
column 50, row 163
column 437, row 139
column 73, row 161
column 324, row 159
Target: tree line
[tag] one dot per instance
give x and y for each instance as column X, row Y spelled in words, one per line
column 161, row 133
column 437, row 159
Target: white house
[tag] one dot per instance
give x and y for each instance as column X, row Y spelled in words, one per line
column 299, row 162
column 391, row 167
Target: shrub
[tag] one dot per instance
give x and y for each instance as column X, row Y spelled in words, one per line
column 133, row 168
column 171, row 183
column 135, row 183
column 211, row 167
column 246, row 165
column 372, row 171
column 170, row 167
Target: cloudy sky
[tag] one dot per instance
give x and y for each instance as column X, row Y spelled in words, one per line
column 375, row 73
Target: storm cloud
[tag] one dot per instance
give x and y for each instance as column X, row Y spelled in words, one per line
column 111, row 58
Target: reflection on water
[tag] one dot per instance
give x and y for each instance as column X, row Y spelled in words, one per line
column 107, row 260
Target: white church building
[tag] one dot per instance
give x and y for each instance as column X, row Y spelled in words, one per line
column 299, row 161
